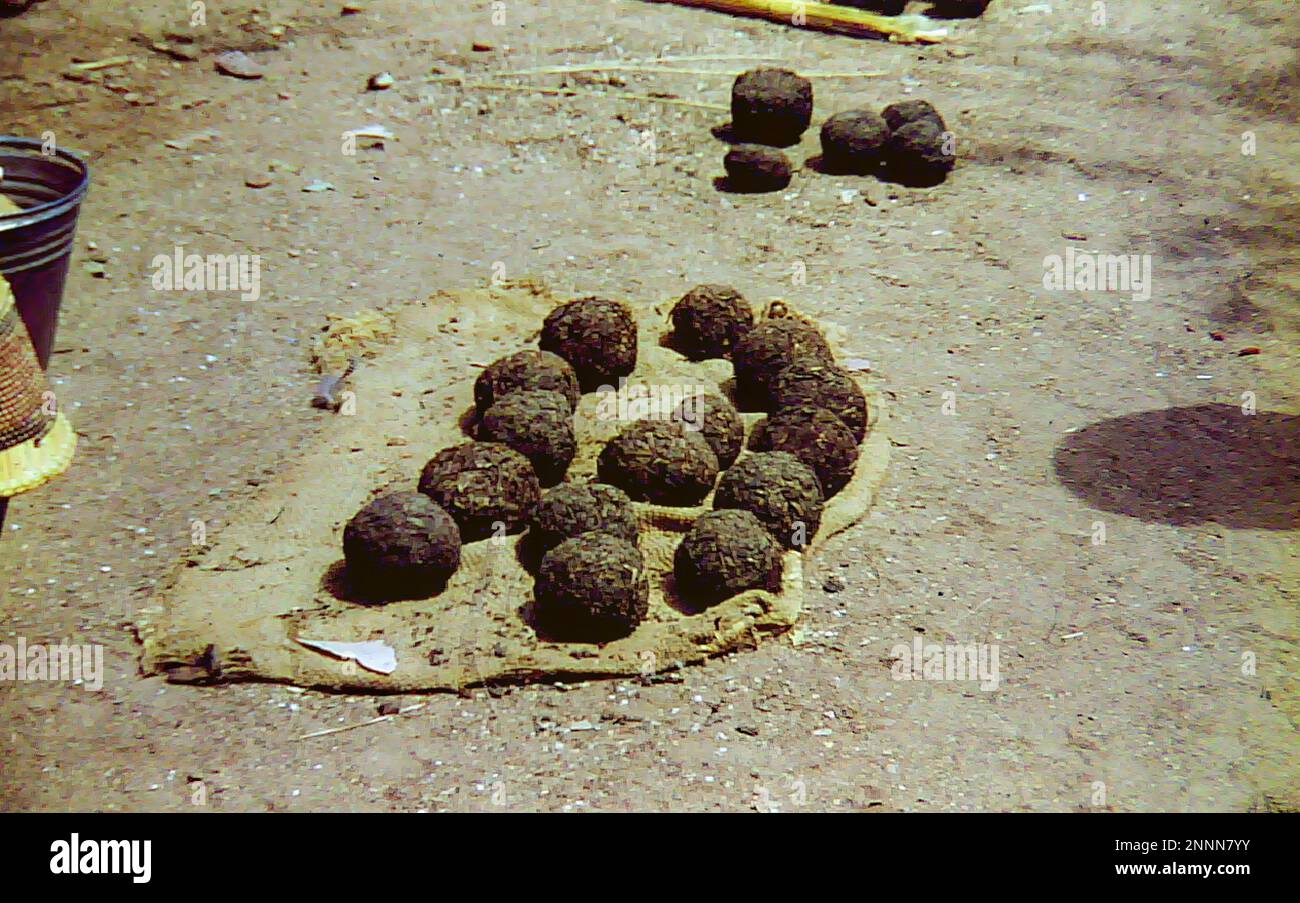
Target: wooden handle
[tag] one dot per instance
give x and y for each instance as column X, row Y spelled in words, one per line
column 825, row 17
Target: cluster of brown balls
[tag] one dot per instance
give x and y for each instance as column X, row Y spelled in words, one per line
column 807, row 447
column 407, row 544
column 590, row 578
column 907, row 142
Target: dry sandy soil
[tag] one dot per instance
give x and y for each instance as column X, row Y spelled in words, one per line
column 1124, row 665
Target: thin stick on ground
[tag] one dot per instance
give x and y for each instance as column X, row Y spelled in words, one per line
column 671, row 70
column 561, row 68
column 457, row 81
column 347, row 727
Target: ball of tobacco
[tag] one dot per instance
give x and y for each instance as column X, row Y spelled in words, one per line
column 769, row 347
column 709, row 320
column 488, row 488
column 778, row 489
column 401, row 545
column 817, row 438
column 596, row 335
column 659, row 461
column 818, row 384
column 753, row 169
column 592, row 588
column 539, row 426
column 854, row 142
column 717, row 420
column 770, row 106
column 571, row 509
column 525, row 370
column 725, row 553
column 897, row 115
column 920, row 154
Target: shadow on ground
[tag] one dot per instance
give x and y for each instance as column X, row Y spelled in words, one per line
column 1207, row 463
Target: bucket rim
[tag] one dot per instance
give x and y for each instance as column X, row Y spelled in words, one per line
column 53, row 208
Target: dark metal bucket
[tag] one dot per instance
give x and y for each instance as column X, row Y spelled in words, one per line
column 36, row 244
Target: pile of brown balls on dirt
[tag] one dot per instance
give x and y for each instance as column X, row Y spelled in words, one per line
column 580, row 539
column 907, row 143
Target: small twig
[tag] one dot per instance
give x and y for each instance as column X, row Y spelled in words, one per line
column 596, row 67
column 347, row 727
column 671, row 70
column 101, row 64
column 573, row 92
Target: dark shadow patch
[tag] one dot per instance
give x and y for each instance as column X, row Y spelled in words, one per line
column 1207, row 463
column 340, row 585
column 727, row 134
column 751, row 402
column 818, row 164
column 957, row 10
column 529, row 551
column 551, row 628
column 678, row 602
column 726, row 186
column 910, row 176
column 8, row 12
column 468, row 422
column 669, row 340
column 727, row 389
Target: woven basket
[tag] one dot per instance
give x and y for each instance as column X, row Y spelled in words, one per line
column 36, row 440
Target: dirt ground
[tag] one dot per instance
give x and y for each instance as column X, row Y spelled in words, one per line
column 1027, row 422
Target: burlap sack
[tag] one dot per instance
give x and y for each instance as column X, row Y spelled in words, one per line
column 236, row 609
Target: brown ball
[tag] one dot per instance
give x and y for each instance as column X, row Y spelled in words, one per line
column 897, row 115
column 709, row 320
column 725, row 553
column 766, row 350
column 488, row 488
column 778, row 489
column 822, row 385
column 718, row 421
column 752, row 169
column 539, row 426
column 817, row 438
column 770, row 106
column 571, row 509
column 854, row 142
column 595, row 335
column 659, row 461
column 592, row 588
column 918, row 154
column 525, row 371
column 401, row 545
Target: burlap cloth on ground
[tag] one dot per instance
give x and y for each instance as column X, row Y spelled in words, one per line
column 234, row 609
